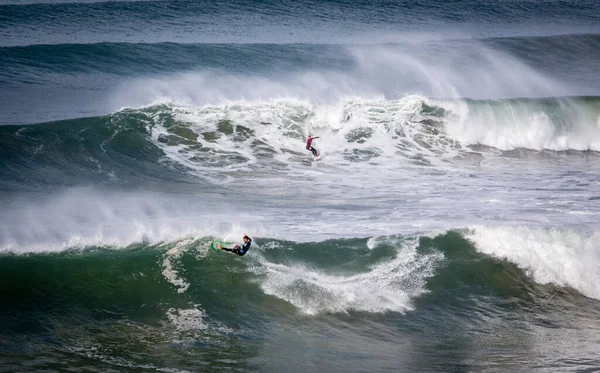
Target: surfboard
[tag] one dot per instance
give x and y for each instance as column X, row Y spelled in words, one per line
column 216, row 245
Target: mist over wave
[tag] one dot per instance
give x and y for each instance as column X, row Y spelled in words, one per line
column 101, row 78
column 392, row 71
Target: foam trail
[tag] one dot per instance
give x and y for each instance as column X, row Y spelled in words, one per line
column 559, row 256
column 389, row 286
column 172, row 257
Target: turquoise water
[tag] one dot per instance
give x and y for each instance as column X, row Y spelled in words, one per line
column 417, row 303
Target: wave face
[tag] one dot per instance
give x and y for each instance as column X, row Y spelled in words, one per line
column 155, row 296
column 451, row 223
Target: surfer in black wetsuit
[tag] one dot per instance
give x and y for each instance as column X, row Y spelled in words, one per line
column 240, row 250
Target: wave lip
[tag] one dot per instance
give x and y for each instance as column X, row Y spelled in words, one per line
column 559, row 256
column 554, row 123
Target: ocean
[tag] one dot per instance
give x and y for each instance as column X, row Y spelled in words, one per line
column 452, row 223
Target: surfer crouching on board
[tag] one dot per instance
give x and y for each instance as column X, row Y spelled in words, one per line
column 240, row 250
column 309, row 145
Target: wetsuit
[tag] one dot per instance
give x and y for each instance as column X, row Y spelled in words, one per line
column 240, row 250
column 309, row 146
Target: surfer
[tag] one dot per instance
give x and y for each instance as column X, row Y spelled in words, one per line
column 240, row 250
column 309, row 145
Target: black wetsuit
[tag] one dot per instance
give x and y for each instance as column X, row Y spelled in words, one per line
column 240, row 250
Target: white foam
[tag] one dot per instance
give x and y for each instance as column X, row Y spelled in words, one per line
column 577, row 212
column 191, row 325
column 187, row 319
column 361, row 138
column 172, row 257
column 357, row 133
column 560, row 256
column 388, row 286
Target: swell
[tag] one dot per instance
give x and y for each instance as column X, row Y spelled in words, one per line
column 139, row 59
column 533, row 47
column 335, row 10
column 124, row 58
column 155, row 20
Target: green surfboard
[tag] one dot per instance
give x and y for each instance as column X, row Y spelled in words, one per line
column 217, row 245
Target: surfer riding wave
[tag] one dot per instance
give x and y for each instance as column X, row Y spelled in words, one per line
column 309, row 145
column 240, row 250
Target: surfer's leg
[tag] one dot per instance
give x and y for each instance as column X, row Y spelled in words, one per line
column 314, row 151
column 233, row 250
